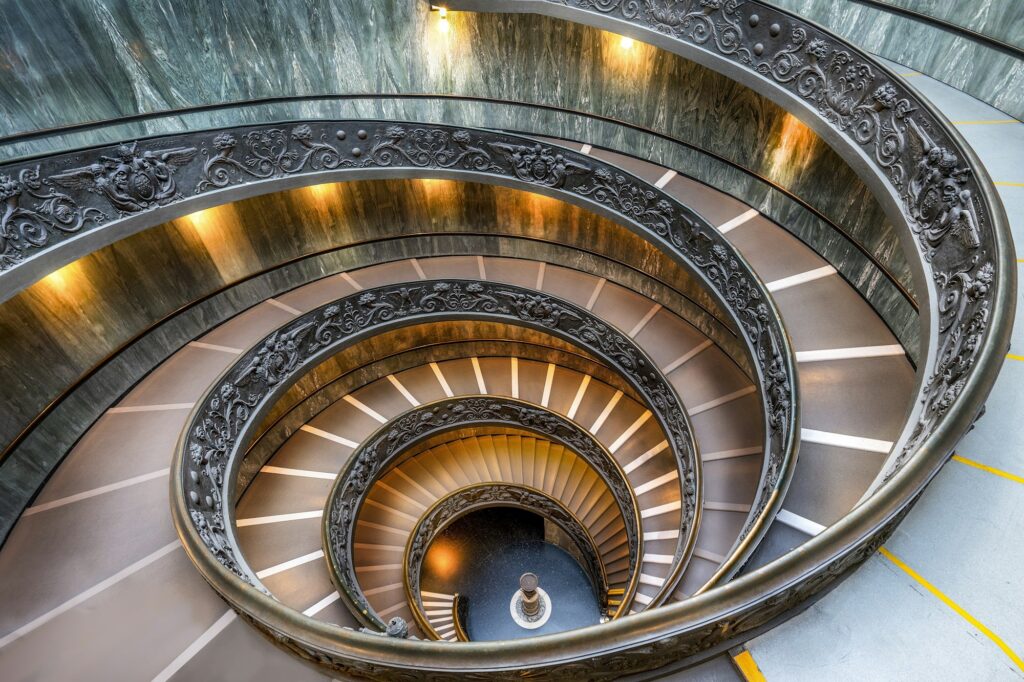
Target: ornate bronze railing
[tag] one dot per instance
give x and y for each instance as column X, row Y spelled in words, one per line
column 203, row 472
column 939, row 197
column 925, row 176
column 376, row 456
column 233, row 168
column 483, row 496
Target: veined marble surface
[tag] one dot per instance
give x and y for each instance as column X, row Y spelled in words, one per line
column 989, row 74
column 999, row 19
column 85, row 60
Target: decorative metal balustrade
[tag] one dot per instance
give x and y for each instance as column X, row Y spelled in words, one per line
column 386, row 447
column 438, row 151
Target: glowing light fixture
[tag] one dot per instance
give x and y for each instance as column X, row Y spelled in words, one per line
column 626, row 43
column 442, row 22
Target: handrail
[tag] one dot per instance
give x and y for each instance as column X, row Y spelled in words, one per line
column 201, row 464
column 469, row 499
column 970, row 323
column 379, row 453
column 9, row 164
column 487, row 156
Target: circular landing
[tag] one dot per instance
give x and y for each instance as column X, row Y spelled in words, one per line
column 482, row 556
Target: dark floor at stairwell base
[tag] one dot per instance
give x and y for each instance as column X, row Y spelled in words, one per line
column 483, row 556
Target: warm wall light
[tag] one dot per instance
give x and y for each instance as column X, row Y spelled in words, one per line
column 202, row 221
column 321, row 191
column 60, row 280
column 442, row 19
column 793, row 150
column 442, row 559
column 626, row 43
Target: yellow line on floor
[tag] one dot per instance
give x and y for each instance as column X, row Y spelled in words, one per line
column 956, row 607
column 1009, row 184
column 1011, row 356
column 992, row 470
column 748, row 667
column 992, row 122
column 909, row 74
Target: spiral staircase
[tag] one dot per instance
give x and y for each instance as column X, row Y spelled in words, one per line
column 702, row 294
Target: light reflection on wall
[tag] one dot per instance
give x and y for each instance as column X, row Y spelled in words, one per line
column 219, row 230
column 792, row 152
column 443, row 559
column 623, row 56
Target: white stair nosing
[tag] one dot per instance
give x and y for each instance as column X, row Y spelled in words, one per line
column 661, row 509
column 481, row 385
column 548, row 380
column 652, row 580
column 644, row 458
column 302, row 473
column 323, row 604
column 730, row 454
column 365, row 409
column 382, row 589
column 213, row 346
column 629, row 432
column 708, row 555
column 732, row 224
column 403, row 390
column 597, row 292
column 665, row 179
column 348, row 278
column 845, row 441
column 656, row 482
column 652, row 535
column 639, row 326
column 284, row 306
column 437, row 595
column 441, row 380
column 341, row 440
column 802, row 278
column 727, row 506
column 580, row 392
column 285, row 565
column 853, row 353
column 718, row 402
column 279, row 518
column 798, row 522
column 686, row 357
column 606, row 412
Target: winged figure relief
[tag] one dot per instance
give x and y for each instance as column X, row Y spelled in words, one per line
column 940, row 200
column 132, row 180
column 541, row 165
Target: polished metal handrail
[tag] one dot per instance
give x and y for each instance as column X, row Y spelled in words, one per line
column 202, row 464
column 379, row 453
column 14, row 164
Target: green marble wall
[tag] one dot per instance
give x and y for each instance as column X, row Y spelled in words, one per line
column 989, row 74
column 999, row 19
column 82, row 60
